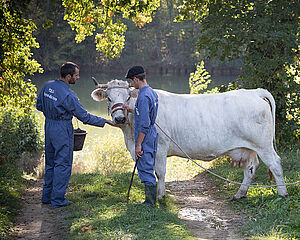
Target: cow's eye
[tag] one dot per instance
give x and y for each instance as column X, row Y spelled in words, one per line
column 109, row 99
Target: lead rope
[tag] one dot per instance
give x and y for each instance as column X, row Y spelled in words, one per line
column 216, row 175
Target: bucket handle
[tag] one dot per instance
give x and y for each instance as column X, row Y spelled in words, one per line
column 77, row 122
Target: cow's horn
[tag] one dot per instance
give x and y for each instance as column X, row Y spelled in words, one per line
column 95, row 81
column 98, row 85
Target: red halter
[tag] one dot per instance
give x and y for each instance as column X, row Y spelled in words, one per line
column 116, row 107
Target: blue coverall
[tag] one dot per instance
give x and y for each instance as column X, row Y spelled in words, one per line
column 144, row 118
column 59, row 104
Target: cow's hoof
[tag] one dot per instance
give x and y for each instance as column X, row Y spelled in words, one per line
column 162, row 202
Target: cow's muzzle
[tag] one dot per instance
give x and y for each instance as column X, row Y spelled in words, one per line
column 118, row 107
column 120, row 120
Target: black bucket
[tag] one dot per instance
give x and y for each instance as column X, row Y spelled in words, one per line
column 79, row 137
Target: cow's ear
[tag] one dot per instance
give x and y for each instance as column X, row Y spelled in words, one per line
column 99, row 95
column 134, row 92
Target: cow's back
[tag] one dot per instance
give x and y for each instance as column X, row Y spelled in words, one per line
column 208, row 125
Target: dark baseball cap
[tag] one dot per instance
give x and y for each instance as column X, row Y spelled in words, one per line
column 135, row 70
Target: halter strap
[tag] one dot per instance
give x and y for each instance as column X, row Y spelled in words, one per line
column 116, row 107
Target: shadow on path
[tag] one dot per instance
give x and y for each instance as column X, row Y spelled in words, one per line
column 37, row 220
column 205, row 215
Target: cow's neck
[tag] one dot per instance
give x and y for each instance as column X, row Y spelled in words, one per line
column 128, row 129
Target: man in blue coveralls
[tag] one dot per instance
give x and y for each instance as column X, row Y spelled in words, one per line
column 145, row 133
column 59, row 104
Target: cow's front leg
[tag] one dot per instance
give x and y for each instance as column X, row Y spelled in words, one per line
column 160, row 171
column 249, row 171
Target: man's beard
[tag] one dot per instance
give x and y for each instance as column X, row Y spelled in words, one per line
column 72, row 81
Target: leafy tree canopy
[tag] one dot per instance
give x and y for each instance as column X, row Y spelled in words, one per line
column 105, row 17
column 159, row 45
column 16, row 59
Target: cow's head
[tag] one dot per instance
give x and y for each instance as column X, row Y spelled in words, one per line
column 118, row 93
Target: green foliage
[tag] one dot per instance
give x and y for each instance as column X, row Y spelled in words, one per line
column 18, row 134
column 87, row 16
column 16, row 59
column 230, row 86
column 268, row 214
column 200, row 80
column 99, row 211
column 11, row 184
column 17, row 96
column 265, row 35
column 161, row 45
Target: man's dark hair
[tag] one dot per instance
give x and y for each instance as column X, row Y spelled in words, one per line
column 141, row 76
column 68, row 68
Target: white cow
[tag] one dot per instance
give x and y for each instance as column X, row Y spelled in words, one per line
column 239, row 124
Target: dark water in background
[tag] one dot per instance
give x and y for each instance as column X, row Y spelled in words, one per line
column 85, row 85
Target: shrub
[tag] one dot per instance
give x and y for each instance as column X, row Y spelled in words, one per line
column 18, row 134
column 11, row 184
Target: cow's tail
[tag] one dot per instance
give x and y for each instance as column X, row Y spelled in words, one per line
column 267, row 96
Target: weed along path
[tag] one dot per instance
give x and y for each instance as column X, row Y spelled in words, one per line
column 205, row 216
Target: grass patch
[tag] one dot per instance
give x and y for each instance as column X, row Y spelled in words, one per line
column 100, row 211
column 269, row 215
column 180, row 169
column 11, row 185
column 106, row 155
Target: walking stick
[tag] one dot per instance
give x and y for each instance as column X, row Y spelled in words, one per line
column 131, row 180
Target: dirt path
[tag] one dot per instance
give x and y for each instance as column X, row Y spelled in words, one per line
column 205, row 215
column 37, row 220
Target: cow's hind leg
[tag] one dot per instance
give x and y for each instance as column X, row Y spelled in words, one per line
column 251, row 165
column 273, row 162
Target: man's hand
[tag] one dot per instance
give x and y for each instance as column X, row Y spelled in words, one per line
column 111, row 123
column 138, row 151
column 138, row 148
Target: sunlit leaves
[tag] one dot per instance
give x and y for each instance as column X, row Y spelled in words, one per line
column 104, row 20
column 112, row 40
column 16, row 59
column 193, row 9
column 200, row 80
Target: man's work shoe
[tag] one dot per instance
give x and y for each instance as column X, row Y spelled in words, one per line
column 150, row 196
column 68, row 203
